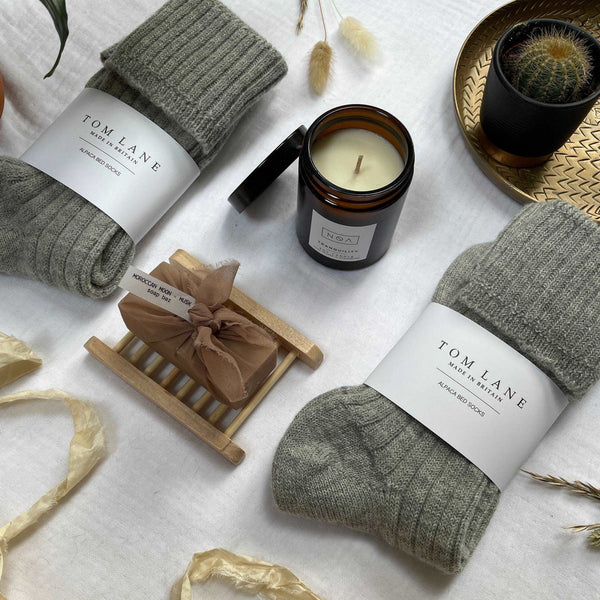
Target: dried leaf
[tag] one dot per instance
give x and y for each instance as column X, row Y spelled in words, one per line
column 58, row 12
column 319, row 68
column 300, row 25
column 359, row 37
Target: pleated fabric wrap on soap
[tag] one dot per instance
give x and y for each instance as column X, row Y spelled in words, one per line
column 220, row 349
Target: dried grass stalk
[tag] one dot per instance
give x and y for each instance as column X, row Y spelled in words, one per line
column 578, row 487
column 360, row 39
column 593, row 532
column 580, row 528
column 300, row 24
column 319, row 69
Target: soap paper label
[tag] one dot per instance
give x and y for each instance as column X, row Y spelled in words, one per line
column 157, row 292
column 116, row 158
column 471, row 389
column 340, row 242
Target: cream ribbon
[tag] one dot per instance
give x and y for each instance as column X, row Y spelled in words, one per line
column 86, row 449
column 249, row 575
column 16, row 359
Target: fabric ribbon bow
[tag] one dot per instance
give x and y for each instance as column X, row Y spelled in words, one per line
column 209, row 321
column 220, row 348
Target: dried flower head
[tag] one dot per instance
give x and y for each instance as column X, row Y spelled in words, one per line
column 360, row 39
column 594, row 538
column 319, row 69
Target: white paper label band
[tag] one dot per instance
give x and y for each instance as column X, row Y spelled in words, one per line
column 157, row 292
column 115, row 158
column 471, row 389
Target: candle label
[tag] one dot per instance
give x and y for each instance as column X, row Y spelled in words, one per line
column 471, row 389
column 115, row 158
column 340, row 242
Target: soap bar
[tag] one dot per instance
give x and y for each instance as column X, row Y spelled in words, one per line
column 220, row 349
column 16, row 359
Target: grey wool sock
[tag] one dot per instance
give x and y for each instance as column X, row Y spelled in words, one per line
column 193, row 68
column 354, row 458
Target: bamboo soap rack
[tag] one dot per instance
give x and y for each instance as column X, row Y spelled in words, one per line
column 182, row 397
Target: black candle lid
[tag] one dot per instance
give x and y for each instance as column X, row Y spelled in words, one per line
column 268, row 170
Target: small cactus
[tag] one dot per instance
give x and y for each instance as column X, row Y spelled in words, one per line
column 553, row 66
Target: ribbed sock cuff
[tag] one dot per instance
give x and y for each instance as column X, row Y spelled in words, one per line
column 537, row 288
column 200, row 64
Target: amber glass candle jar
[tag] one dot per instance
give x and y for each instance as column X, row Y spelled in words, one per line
column 342, row 228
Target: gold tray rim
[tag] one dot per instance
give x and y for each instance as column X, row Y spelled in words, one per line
column 481, row 158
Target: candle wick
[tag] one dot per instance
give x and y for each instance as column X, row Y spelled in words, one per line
column 358, row 163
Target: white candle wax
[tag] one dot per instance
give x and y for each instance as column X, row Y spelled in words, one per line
column 335, row 155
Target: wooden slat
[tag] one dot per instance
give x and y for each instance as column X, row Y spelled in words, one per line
column 155, row 393
column 199, row 404
column 218, row 413
column 137, row 355
column 170, row 378
column 157, row 362
column 290, row 339
column 275, row 376
column 123, row 342
column 185, row 389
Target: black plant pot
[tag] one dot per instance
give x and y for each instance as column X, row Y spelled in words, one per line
column 521, row 131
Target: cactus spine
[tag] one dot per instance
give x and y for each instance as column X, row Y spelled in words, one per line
column 553, row 66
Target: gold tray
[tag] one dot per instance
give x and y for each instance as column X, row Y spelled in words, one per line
column 573, row 172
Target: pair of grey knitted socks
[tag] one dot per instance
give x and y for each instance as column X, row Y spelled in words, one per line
column 193, row 68
column 354, row 458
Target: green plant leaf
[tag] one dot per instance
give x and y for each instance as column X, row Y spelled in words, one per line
column 58, row 12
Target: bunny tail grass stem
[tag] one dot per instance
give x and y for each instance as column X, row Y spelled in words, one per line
column 323, row 19
column 300, row 24
column 337, row 10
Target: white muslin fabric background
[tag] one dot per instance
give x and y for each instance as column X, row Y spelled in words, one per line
column 129, row 530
